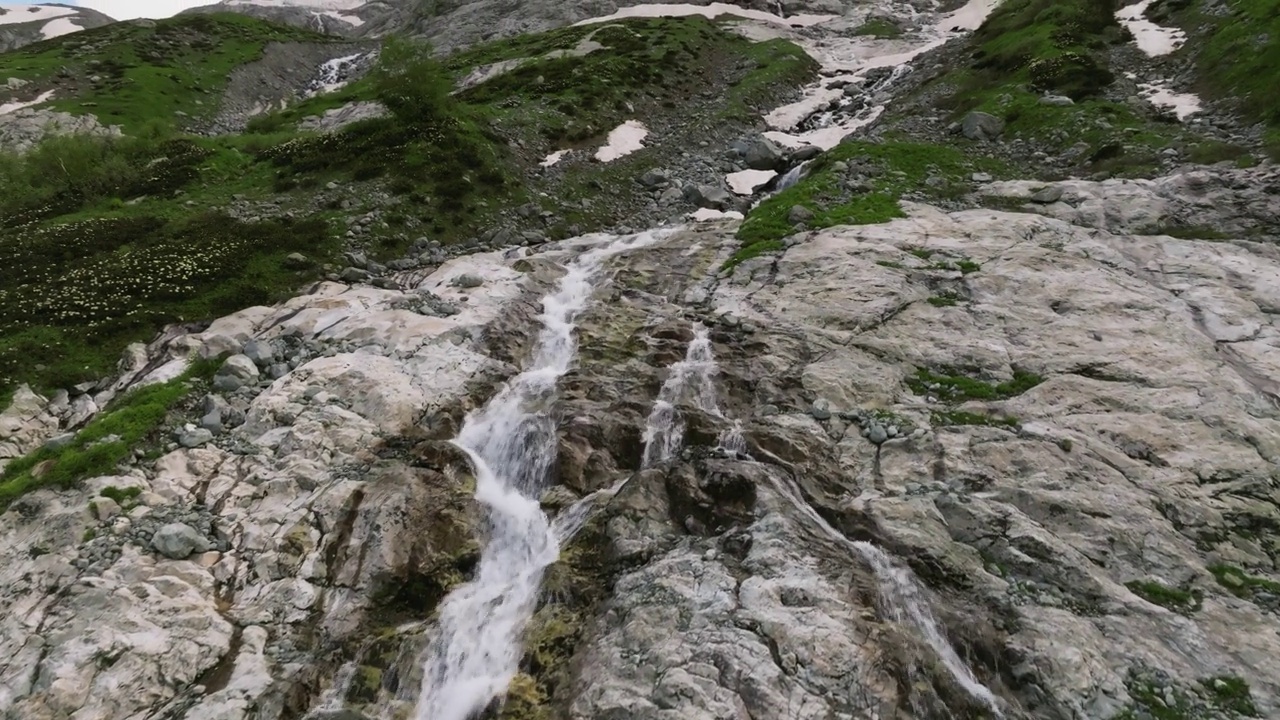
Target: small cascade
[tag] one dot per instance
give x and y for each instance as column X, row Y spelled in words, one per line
column 900, row 594
column 335, row 73
column 692, row 376
column 476, row 647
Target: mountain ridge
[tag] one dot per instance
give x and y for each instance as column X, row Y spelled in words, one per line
column 855, row 361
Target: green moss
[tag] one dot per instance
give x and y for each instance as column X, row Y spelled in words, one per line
column 171, row 73
column 943, row 300
column 955, row 387
column 878, row 27
column 89, row 533
column 1231, row 694
column 1176, row 599
column 946, row 418
column 1242, row 584
column 967, row 266
column 104, row 443
column 899, row 167
column 121, row 497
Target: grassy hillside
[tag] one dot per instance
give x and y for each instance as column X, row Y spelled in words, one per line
column 108, row 239
column 1235, row 47
column 142, row 74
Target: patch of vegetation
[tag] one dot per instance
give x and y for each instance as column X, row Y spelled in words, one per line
column 945, row 418
column 1176, row 599
column 1224, row 696
column 895, row 168
column 122, row 497
column 106, row 441
column 1230, row 693
column 953, row 386
column 1242, row 584
column 944, row 299
column 136, row 75
column 879, row 27
column 74, row 293
column 1186, row 232
column 1236, row 46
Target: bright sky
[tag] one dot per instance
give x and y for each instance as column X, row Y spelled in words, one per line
column 129, row 9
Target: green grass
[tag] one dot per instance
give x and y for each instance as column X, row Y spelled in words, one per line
column 105, row 442
column 1237, row 54
column 1242, row 584
column 878, row 27
column 947, row 299
column 945, row 418
column 955, row 387
column 1176, row 599
column 122, row 497
column 75, row 293
column 170, row 74
column 1231, row 694
column 903, row 167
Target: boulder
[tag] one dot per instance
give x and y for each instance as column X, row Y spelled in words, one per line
column 981, row 126
column 178, row 541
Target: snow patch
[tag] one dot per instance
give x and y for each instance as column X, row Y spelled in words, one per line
column 711, row 11
column 846, row 60
column 623, row 140
column 7, row 108
column 352, row 20
column 314, row 4
column 59, row 27
column 1159, row 94
column 1152, row 39
column 11, row 15
column 553, row 158
column 710, row 214
column 745, row 182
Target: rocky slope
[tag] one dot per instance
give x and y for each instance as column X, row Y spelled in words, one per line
column 936, row 431
column 26, row 24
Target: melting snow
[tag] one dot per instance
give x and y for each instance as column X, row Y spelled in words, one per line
column 849, row 59
column 623, row 140
column 33, row 13
column 58, row 27
column 745, row 182
column 1183, row 105
column 711, row 11
column 553, row 158
column 7, row 108
column 1151, row 38
column 352, row 20
column 708, row 214
column 315, row 4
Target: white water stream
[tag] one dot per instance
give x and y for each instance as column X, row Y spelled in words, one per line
column 474, row 653
column 900, row 594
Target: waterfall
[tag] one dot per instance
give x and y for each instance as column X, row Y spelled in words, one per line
column 900, row 593
column 475, row 651
column 664, row 430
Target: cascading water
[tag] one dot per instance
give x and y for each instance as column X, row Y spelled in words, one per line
column 664, row 430
column 511, row 441
column 900, row 594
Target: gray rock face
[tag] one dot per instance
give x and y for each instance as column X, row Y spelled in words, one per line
column 23, row 129
column 178, row 541
column 981, row 126
column 340, row 117
column 236, row 372
column 762, row 154
column 708, row 196
column 195, row 437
